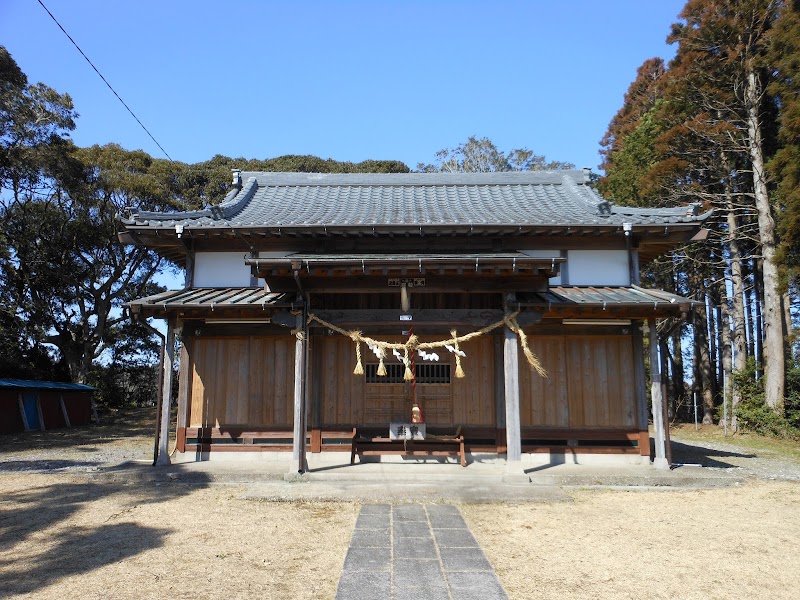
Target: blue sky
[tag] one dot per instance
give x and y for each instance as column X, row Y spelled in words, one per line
column 348, row 80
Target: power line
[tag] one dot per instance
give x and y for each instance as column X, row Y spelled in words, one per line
column 104, row 80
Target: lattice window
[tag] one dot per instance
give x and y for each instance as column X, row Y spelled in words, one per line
column 394, row 374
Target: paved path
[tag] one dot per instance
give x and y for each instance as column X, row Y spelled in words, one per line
column 416, row 551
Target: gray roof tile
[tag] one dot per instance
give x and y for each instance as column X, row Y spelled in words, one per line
column 530, row 198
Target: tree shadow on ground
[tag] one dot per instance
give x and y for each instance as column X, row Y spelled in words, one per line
column 45, row 465
column 81, row 550
column 686, row 453
column 33, row 519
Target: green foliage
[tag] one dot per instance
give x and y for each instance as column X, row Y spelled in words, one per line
column 483, row 156
column 206, row 183
column 784, row 55
column 754, row 415
column 632, row 162
column 124, row 385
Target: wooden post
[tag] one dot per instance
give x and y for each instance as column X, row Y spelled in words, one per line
column 511, row 389
column 64, row 410
column 299, row 438
column 660, row 460
column 166, row 395
column 188, row 280
column 640, row 388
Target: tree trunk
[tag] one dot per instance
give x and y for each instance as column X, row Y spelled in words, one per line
column 726, row 363
column 677, row 366
column 774, row 368
column 737, row 309
column 758, row 336
column 749, row 309
column 711, row 343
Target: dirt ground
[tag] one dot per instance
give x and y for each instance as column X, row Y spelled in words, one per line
column 66, row 531
column 64, row 536
column 741, row 542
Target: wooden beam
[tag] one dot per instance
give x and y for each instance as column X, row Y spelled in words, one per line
column 441, row 317
column 469, row 281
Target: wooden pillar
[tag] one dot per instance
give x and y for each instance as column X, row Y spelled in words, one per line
column 166, row 395
column 299, row 439
column 660, row 460
column 511, row 389
column 640, row 388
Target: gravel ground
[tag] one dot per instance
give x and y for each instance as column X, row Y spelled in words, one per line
column 119, row 438
column 124, row 438
column 760, row 463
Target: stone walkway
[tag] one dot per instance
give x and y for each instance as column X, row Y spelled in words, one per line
column 416, row 551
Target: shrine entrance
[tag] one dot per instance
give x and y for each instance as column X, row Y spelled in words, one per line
column 389, row 398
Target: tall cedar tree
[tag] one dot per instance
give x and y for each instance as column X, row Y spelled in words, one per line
column 707, row 139
column 627, row 147
column 784, row 58
column 721, row 50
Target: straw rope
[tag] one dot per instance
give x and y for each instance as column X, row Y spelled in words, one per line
column 413, row 344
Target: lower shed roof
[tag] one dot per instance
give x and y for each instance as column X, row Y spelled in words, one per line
column 593, row 302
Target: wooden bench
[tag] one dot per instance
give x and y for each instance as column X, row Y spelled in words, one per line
column 331, row 439
column 369, row 444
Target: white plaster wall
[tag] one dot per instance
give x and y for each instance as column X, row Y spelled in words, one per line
column 547, row 254
column 221, row 269
column 597, row 267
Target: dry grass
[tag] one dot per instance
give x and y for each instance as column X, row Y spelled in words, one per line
column 64, row 536
column 693, row 544
column 77, row 535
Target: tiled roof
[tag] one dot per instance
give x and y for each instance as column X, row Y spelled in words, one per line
column 255, row 301
column 603, row 296
column 213, row 299
column 305, row 200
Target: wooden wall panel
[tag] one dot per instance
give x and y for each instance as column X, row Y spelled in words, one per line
column 589, row 382
column 250, row 381
column 282, row 351
column 600, row 386
column 543, row 400
column 473, row 396
column 342, row 392
column 242, row 381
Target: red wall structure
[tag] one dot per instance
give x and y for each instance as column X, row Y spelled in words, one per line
column 42, row 403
